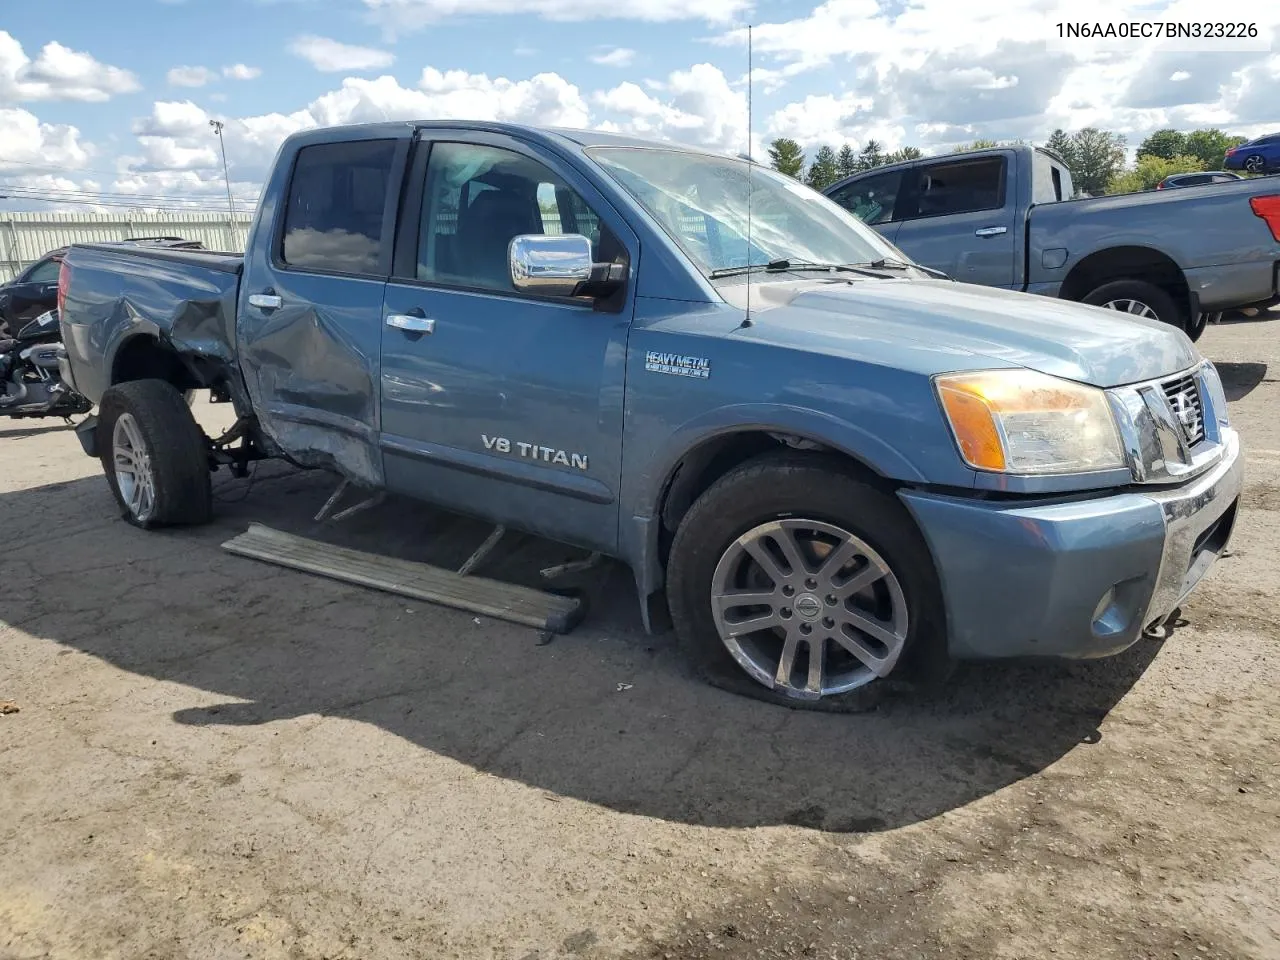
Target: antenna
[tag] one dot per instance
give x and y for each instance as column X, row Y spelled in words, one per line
column 746, row 320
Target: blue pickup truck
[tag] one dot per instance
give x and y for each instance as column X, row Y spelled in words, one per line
column 831, row 465
column 1005, row 217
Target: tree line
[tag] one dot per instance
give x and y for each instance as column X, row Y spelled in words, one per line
column 1095, row 157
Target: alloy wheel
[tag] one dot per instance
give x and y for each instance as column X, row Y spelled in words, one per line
column 808, row 608
column 134, row 476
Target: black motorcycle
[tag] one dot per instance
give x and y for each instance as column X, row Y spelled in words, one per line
column 31, row 383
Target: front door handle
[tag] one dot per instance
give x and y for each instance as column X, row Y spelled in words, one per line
column 266, row 301
column 990, row 231
column 410, row 323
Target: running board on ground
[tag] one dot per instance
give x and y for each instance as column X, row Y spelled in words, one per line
column 407, row 578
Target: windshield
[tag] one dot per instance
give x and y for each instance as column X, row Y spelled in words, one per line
column 701, row 202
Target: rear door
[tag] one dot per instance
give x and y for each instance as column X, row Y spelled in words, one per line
column 499, row 403
column 873, row 199
column 309, row 324
column 959, row 216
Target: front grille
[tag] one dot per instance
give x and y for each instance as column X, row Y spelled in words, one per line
column 1183, row 394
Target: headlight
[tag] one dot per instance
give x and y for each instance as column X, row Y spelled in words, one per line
column 1020, row 421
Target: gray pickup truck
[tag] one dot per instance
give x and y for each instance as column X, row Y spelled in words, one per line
column 834, row 467
column 1004, row 218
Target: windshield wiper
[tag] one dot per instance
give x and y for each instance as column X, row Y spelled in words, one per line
column 891, row 263
column 780, row 265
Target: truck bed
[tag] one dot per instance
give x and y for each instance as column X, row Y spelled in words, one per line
column 185, row 298
column 1228, row 254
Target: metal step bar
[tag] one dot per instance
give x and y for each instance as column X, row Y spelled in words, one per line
column 408, row 578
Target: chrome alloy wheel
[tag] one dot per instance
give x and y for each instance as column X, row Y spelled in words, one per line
column 134, row 477
column 808, row 609
column 1135, row 307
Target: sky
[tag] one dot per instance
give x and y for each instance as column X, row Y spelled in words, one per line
column 108, row 102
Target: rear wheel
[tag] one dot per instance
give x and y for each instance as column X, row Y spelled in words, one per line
column 792, row 581
column 1139, row 298
column 1255, row 163
column 154, row 455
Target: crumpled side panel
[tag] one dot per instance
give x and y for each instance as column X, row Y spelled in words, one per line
column 312, row 369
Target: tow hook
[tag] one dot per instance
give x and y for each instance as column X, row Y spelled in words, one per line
column 1162, row 629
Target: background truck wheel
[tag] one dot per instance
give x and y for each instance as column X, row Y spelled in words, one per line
column 154, row 455
column 1139, row 298
column 792, row 581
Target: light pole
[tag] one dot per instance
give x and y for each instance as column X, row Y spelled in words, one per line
column 231, row 207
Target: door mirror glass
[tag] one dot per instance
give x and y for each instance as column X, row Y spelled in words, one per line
column 550, row 266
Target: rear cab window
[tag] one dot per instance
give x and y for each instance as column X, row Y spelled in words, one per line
column 957, row 186
column 338, row 218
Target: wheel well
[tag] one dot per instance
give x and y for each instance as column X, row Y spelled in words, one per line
column 144, row 357
column 702, row 466
column 1126, row 263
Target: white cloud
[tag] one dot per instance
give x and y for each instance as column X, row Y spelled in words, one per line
column 698, row 107
column 240, row 71
column 617, row 57
column 935, row 72
column 58, row 73
column 190, row 76
column 28, row 142
column 332, row 57
column 407, row 15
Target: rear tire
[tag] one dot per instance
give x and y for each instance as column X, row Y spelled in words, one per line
column 154, row 455
column 824, row 507
column 1139, row 298
column 1255, row 163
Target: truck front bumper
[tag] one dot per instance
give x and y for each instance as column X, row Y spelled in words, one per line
column 1081, row 578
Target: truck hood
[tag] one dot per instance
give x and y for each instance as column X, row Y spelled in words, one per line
column 1064, row 339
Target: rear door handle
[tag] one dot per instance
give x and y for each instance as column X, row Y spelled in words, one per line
column 266, row 301
column 990, row 231
column 410, row 323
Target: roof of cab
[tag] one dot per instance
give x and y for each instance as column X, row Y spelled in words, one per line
column 560, row 136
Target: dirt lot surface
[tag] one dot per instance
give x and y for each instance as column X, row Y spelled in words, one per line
column 216, row 758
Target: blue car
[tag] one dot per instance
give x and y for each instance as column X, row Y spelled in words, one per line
column 1260, row 155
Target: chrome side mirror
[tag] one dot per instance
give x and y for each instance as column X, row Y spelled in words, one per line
column 551, row 266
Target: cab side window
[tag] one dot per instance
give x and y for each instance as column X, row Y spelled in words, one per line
column 959, row 186
column 478, row 198
column 871, row 200
column 336, row 220
column 46, row 272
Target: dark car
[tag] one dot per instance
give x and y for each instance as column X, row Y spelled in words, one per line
column 1260, row 155
column 35, row 290
column 1197, row 179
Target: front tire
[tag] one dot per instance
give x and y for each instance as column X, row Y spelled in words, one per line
column 790, row 580
column 154, row 455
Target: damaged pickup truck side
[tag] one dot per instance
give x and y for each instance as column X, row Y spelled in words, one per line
column 832, row 465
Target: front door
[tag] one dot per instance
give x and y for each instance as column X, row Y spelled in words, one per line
column 495, row 403
column 960, row 219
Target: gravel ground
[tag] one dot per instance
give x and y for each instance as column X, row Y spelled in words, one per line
column 216, row 758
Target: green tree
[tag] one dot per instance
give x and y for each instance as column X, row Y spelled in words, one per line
column 1164, row 144
column 786, row 157
column 872, row 155
column 904, row 153
column 824, row 170
column 846, row 161
column 1060, row 143
column 1098, row 157
column 978, row 145
column 1149, row 171
column 1209, row 147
